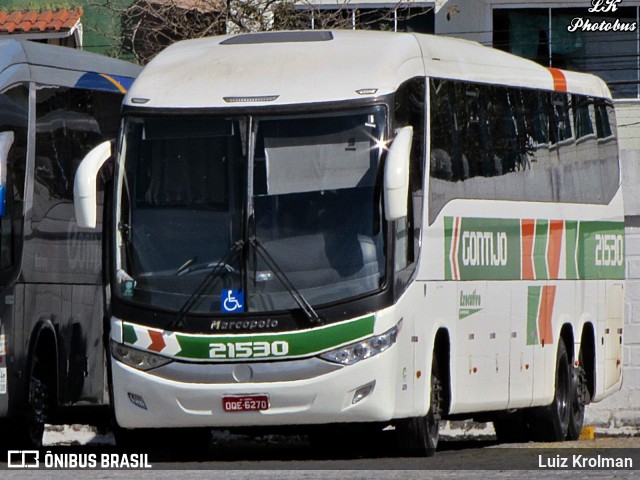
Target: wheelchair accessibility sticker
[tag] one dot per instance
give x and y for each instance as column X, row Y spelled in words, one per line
column 232, row 301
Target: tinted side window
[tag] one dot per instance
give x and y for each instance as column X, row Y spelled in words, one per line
column 14, row 112
column 69, row 123
column 504, row 143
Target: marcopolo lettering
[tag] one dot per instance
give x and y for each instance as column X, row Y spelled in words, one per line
column 243, row 324
column 484, row 249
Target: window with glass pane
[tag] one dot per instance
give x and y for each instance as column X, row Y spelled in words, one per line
column 541, row 34
column 13, row 146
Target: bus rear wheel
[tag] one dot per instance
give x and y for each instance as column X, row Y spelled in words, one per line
column 552, row 422
column 419, row 436
column 579, row 399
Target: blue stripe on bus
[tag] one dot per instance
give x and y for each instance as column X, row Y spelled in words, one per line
column 104, row 82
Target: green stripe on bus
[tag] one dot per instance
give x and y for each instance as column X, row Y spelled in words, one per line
column 533, row 304
column 571, row 252
column 601, row 250
column 540, row 249
column 129, row 334
column 448, row 242
column 490, row 249
column 298, row 344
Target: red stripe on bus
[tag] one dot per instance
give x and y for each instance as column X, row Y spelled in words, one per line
column 559, row 80
column 157, row 342
column 545, row 327
column 456, row 229
column 528, row 228
column 556, row 228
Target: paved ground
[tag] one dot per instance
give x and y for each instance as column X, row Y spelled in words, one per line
column 467, row 455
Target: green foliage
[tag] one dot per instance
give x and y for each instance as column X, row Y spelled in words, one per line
column 11, row 5
column 40, row 5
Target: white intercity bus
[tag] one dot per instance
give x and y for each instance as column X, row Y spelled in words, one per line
column 363, row 229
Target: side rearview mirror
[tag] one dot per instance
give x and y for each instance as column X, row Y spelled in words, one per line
column 85, row 185
column 396, row 175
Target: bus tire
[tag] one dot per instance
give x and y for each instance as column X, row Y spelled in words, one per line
column 29, row 430
column 579, row 399
column 418, row 436
column 552, row 422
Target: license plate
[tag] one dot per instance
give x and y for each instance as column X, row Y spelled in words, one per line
column 245, row 403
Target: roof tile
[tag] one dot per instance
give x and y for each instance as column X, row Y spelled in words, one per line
column 33, row 20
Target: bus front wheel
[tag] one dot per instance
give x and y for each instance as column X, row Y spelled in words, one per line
column 28, row 430
column 419, row 436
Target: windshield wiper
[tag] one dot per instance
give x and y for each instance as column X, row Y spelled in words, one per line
column 205, row 285
column 302, row 302
column 190, row 267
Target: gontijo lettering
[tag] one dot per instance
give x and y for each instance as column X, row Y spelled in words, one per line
column 484, row 248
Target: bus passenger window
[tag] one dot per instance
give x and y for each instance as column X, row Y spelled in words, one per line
column 581, row 115
column 561, row 117
column 444, row 132
column 603, row 126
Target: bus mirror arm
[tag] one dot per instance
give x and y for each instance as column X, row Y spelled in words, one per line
column 85, row 185
column 396, row 175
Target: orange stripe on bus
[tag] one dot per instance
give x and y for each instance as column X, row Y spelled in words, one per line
column 559, row 80
column 528, row 228
column 114, row 82
column 554, row 248
column 545, row 327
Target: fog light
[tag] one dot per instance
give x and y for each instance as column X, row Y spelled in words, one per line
column 363, row 392
column 137, row 400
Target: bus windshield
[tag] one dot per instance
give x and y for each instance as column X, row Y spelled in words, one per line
column 256, row 206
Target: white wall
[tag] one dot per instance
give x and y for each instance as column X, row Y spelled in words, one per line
column 620, row 413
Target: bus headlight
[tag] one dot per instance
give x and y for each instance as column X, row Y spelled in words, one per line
column 137, row 358
column 370, row 347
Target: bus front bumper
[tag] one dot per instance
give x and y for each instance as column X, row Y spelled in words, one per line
column 363, row 392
